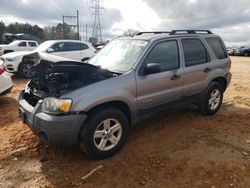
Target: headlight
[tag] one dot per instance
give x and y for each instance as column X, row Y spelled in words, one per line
column 12, row 59
column 56, row 106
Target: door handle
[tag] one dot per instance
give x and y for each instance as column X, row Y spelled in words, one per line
column 206, row 70
column 175, row 77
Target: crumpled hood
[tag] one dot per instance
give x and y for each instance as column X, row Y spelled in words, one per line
column 56, row 76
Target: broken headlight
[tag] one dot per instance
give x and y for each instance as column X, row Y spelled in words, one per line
column 56, row 106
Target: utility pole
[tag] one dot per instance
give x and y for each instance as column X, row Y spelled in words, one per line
column 74, row 26
column 97, row 30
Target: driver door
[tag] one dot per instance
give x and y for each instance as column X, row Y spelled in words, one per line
column 166, row 85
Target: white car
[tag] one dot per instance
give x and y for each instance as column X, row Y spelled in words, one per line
column 71, row 49
column 5, row 82
column 18, row 45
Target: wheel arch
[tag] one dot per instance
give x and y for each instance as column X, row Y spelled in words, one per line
column 115, row 104
column 222, row 81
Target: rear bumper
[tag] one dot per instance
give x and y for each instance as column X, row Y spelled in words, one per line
column 61, row 130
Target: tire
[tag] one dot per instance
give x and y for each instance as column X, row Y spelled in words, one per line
column 24, row 71
column 246, row 54
column 212, row 99
column 101, row 147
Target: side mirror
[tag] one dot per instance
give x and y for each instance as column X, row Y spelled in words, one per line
column 152, row 68
column 50, row 50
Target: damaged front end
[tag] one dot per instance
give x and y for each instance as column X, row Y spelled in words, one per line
column 57, row 76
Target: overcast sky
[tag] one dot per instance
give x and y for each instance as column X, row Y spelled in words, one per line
column 228, row 18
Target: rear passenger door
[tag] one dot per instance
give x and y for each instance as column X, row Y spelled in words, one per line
column 164, row 86
column 73, row 51
column 198, row 64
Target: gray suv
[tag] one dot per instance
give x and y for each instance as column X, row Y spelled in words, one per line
column 95, row 103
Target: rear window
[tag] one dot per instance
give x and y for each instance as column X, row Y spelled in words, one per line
column 218, row 47
column 194, row 52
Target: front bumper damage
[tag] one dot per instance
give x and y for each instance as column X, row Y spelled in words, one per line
column 60, row 130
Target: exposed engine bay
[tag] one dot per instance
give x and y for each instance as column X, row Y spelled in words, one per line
column 53, row 79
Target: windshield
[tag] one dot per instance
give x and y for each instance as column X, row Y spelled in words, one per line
column 120, row 55
column 44, row 46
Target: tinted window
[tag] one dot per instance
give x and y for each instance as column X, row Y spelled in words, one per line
column 218, row 47
column 32, row 44
column 166, row 54
column 22, row 44
column 194, row 52
column 73, row 46
column 59, row 47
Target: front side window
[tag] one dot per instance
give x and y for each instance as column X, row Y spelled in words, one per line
column 22, row 44
column 119, row 55
column 166, row 54
column 218, row 47
column 59, row 47
column 194, row 52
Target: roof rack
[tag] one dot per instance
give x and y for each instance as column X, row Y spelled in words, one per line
column 153, row 32
column 176, row 32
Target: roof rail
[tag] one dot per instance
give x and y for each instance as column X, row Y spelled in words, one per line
column 153, row 32
column 176, row 32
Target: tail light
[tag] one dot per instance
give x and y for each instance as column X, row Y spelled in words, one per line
column 1, row 70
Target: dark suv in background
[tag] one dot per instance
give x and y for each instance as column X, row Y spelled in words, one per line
column 243, row 51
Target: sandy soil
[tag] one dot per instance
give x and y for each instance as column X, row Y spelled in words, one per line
column 178, row 149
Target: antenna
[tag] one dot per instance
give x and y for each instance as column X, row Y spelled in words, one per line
column 97, row 30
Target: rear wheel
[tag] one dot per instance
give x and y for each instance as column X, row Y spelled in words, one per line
column 246, row 54
column 26, row 70
column 212, row 101
column 104, row 133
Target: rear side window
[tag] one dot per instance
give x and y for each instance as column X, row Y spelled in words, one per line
column 83, row 46
column 75, row 46
column 32, row 44
column 194, row 52
column 166, row 54
column 218, row 47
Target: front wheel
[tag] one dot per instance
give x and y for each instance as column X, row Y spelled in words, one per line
column 212, row 100
column 26, row 70
column 104, row 133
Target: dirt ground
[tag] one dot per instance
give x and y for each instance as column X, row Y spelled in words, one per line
column 178, row 149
